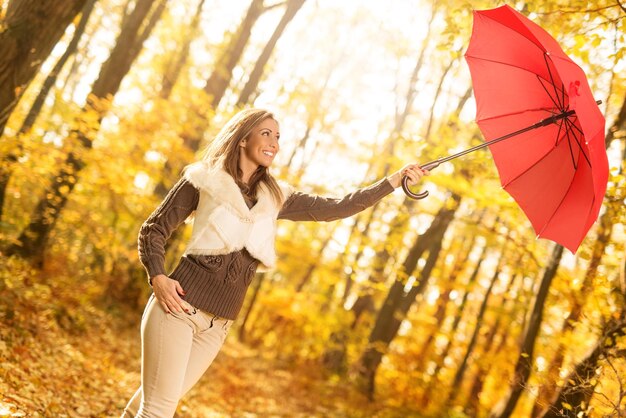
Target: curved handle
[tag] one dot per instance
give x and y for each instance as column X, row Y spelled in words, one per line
column 405, row 180
column 409, row 193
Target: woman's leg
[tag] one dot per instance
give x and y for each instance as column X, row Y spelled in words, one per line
column 207, row 342
column 202, row 337
column 133, row 405
column 165, row 350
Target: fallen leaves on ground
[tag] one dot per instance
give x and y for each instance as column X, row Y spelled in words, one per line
column 62, row 358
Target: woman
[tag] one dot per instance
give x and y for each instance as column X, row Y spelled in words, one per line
column 235, row 202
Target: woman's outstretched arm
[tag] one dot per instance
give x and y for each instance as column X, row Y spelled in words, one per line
column 306, row 207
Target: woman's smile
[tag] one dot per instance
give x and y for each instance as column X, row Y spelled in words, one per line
column 261, row 146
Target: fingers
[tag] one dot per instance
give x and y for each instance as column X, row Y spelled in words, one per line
column 179, row 289
column 167, row 293
column 173, row 303
column 414, row 172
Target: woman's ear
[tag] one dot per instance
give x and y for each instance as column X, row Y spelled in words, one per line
column 242, row 143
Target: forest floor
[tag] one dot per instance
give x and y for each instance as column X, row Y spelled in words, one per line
column 63, row 357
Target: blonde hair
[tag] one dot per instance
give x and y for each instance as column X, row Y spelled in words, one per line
column 223, row 151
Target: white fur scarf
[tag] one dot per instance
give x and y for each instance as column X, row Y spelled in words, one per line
column 223, row 222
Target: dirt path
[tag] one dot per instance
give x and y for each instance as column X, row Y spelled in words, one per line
column 45, row 373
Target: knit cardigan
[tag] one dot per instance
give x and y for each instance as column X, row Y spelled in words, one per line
column 217, row 283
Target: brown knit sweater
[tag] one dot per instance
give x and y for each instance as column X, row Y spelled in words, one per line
column 218, row 283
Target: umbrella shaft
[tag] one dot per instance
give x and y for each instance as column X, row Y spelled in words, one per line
column 545, row 122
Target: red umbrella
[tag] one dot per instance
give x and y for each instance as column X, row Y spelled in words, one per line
column 556, row 167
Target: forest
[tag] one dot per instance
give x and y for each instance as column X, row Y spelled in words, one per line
column 449, row 306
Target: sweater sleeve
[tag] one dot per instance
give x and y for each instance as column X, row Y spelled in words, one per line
column 305, row 207
column 179, row 203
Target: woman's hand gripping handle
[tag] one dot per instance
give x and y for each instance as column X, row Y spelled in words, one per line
column 409, row 178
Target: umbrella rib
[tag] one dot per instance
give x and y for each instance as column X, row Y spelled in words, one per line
column 558, row 134
column 502, row 115
column 576, row 127
column 544, row 156
column 508, row 65
column 571, row 151
column 580, row 147
column 545, row 225
column 556, row 92
column 528, row 168
column 557, row 104
column 562, row 198
column 534, row 41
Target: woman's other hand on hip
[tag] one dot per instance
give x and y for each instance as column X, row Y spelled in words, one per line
column 168, row 293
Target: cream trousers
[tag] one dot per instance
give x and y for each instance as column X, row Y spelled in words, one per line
column 176, row 350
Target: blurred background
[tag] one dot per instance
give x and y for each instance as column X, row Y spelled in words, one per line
column 448, row 306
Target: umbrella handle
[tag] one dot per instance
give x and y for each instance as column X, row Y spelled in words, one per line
column 405, row 181
column 409, row 193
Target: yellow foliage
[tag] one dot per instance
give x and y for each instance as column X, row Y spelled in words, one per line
column 67, row 321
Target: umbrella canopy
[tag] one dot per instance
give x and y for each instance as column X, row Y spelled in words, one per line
column 558, row 172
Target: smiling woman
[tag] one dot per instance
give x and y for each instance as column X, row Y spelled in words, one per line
column 260, row 148
column 236, row 203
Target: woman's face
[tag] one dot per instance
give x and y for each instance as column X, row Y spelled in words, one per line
column 261, row 146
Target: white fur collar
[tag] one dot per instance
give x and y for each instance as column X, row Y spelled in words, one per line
column 219, row 184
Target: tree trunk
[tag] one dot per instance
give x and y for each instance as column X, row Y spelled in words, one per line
column 618, row 125
column 580, row 384
column 6, row 169
column 458, row 376
column 607, row 220
column 220, row 78
column 400, row 222
column 215, row 87
column 472, row 405
column 410, row 96
column 31, row 29
column 397, row 303
column 523, row 366
column 255, row 76
column 180, row 57
column 312, row 266
column 253, row 298
column 127, row 47
column 431, row 117
column 33, row 239
column 548, row 390
column 35, row 109
column 365, row 301
column 460, row 262
column 455, row 325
